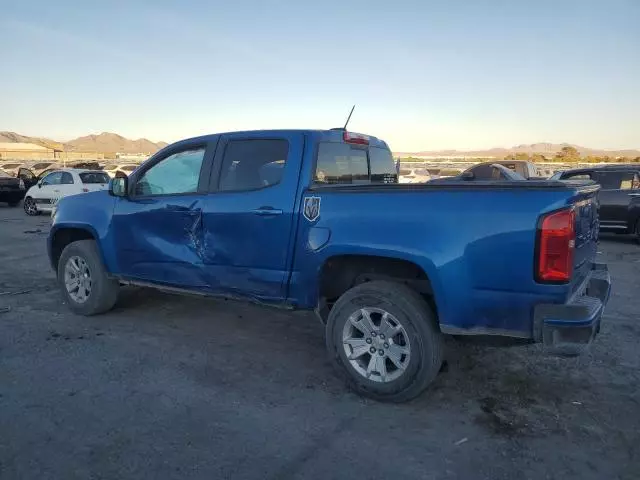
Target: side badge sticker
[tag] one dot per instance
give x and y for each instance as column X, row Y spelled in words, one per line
column 311, row 210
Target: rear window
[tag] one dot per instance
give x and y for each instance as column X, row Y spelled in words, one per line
column 94, row 177
column 341, row 163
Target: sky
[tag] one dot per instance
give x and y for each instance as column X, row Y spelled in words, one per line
column 424, row 75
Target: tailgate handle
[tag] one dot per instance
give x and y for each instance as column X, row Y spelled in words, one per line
column 267, row 211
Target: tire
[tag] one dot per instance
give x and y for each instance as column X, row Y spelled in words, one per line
column 30, row 207
column 405, row 308
column 103, row 292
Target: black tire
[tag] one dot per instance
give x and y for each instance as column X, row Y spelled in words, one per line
column 418, row 320
column 30, row 207
column 104, row 290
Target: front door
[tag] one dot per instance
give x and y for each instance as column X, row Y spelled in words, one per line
column 157, row 228
column 248, row 218
column 28, row 177
column 47, row 191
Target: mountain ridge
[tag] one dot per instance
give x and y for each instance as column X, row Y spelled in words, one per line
column 105, row 142
column 543, row 148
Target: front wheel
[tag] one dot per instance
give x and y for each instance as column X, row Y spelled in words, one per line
column 383, row 337
column 83, row 280
column 30, row 207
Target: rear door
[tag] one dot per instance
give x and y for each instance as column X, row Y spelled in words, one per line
column 248, row 218
column 615, row 197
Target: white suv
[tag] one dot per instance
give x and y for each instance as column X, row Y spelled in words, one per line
column 44, row 195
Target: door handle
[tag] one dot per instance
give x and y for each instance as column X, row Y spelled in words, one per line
column 177, row 208
column 267, row 211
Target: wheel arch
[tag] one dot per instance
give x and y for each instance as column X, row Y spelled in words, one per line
column 62, row 236
column 340, row 272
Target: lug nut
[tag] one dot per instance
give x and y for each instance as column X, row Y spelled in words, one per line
column 386, row 345
column 372, row 350
column 373, row 334
column 368, row 340
column 380, row 352
column 382, row 336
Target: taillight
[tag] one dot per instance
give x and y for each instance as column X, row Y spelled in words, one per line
column 556, row 243
column 356, row 138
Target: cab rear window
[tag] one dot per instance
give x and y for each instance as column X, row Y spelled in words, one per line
column 341, row 163
column 94, row 177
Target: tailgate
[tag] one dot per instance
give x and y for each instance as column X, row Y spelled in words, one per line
column 587, row 228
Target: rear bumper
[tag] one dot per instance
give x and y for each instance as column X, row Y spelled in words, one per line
column 568, row 329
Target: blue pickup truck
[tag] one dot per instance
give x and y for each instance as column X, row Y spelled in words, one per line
column 316, row 219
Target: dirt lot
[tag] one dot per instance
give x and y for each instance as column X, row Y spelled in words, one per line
column 176, row 387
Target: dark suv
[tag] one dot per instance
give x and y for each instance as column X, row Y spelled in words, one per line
column 619, row 197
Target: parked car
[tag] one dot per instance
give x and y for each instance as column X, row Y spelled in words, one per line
column 11, row 189
column 125, row 168
column 485, row 170
column 11, row 167
column 43, row 196
column 389, row 268
column 619, row 196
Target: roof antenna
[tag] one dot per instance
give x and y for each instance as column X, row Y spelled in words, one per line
column 348, row 118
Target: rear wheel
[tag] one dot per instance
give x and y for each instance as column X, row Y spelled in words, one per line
column 383, row 337
column 30, row 207
column 83, row 280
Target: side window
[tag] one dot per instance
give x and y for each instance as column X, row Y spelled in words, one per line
column 614, row 180
column 54, row 178
column 626, row 180
column 178, row 173
column 578, row 176
column 483, row 172
column 66, row 179
column 341, row 163
column 252, row 164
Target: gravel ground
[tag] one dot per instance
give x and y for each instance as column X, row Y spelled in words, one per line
column 178, row 387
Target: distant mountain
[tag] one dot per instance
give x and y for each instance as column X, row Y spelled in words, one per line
column 546, row 149
column 12, row 137
column 104, row 143
column 112, row 142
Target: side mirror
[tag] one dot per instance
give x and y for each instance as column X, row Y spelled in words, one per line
column 119, row 186
column 468, row 175
column 39, row 184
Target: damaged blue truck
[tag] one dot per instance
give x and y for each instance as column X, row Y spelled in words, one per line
column 316, row 219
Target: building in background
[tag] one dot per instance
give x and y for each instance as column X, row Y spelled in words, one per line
column 25, row 151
